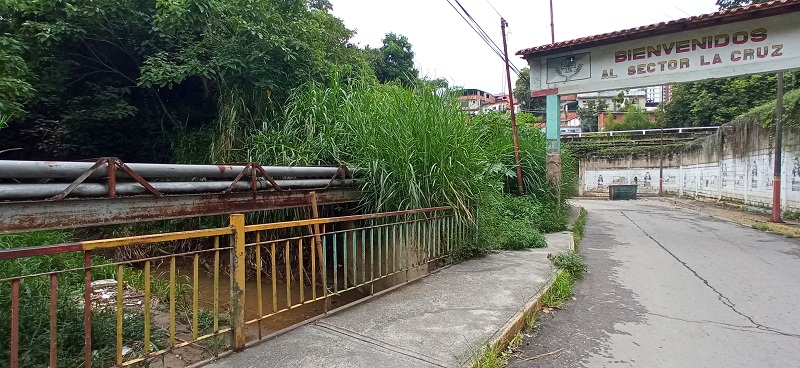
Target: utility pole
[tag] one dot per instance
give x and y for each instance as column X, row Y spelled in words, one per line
column 552, row 25
column 503, row 25
column 661, row 164
column 776, row 184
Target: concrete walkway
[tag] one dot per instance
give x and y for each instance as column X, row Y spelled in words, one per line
column 439, row 321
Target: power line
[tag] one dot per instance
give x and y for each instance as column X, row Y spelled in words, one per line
column 493, row 8
column 481, row 32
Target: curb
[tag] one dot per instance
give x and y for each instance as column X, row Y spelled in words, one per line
column 503, row 336
column 777, row 228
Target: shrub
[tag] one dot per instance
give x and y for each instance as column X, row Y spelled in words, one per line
column 570, row 262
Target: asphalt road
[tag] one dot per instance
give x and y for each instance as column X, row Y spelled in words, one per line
column 670, row 287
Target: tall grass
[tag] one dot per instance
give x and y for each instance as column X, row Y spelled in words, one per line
column 414, row 145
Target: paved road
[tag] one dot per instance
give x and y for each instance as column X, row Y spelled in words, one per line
column 669, row 287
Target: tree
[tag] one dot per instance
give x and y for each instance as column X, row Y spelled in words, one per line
column 618, row 100
column 320, row 5
column 522, row 89
column 14, row 88
column 130, row 78
column 728, row 4
column 394, row 61
column 634, row 118
column 588, row 116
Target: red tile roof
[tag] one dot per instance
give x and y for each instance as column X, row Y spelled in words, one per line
column 700, row 21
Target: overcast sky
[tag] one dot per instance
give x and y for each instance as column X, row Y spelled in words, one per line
column 446, row 47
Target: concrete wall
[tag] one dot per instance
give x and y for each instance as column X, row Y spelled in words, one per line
column 735, row 164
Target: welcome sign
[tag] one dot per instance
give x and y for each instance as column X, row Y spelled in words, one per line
column 760, row 45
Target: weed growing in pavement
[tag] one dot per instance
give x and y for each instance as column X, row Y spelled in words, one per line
column 761, row 227
column 578, row 227
column 571, row 262
column 491, row 358
column 559, row 291
column 530, row 320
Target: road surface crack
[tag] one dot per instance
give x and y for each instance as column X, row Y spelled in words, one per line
column 721, row 297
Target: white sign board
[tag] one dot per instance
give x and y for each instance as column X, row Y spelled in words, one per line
column 755, row 46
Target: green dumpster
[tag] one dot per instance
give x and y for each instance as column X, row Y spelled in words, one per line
column 617, row 192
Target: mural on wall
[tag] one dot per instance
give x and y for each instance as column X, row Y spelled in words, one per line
column 768, row 164
column 740, row 168
column 796, row 175
column 724, row 175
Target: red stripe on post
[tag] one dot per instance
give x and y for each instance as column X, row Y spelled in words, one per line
column 545, row 92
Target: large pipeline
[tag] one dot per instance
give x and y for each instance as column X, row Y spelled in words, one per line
column 10, row 169
column 43, row 191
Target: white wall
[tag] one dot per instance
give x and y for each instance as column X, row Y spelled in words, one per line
column 746, row 179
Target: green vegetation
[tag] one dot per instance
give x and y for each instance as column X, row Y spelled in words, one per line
column 791, row 215
column 561, row 289
column 35, row 303
column 761, row 227
column 578, row 227
column 634, row 118
column 570, row 262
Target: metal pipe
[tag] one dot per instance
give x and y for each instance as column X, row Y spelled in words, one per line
column 11, row 169
column 40, row 191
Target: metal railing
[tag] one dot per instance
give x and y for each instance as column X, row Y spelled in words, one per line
column 710, row 129
column 290, row 265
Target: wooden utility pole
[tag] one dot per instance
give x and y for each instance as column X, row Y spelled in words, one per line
column 503, row 25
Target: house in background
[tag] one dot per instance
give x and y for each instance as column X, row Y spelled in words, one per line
column 472, row 100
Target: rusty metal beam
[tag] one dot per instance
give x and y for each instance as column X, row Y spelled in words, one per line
column 47, row 215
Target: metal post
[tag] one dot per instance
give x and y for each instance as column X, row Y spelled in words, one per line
column 776, row 185
column 238, row 337
column 552, row 25
column 661, row 165
column 511, row 107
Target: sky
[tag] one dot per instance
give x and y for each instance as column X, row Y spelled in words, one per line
column 446, row 47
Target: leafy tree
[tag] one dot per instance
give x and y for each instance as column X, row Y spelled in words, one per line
column 13, row 87
column 728, row 4
column 588, row 114
column 320, row 5
column 394, row 61
column 634, row 118
column 132, row 78
column 522, row 89
column 717, row 102
column 618, row 100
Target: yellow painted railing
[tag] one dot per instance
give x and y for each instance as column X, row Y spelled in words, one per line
column 280, row 275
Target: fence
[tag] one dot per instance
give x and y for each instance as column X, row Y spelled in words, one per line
column 291, row 265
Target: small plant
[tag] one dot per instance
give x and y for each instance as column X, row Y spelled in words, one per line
column 559, row 291
column 570, row 262
column 761, row 227
column 791, row 215
column 530, row 320
column 578, row 228
column 491, row 358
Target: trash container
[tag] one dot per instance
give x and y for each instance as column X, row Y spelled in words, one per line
column 622, row 192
